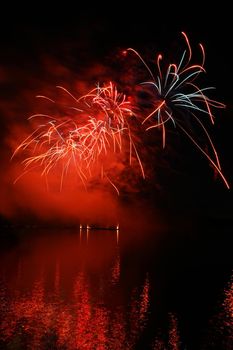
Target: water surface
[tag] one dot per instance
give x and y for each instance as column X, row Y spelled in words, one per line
column 113, row 289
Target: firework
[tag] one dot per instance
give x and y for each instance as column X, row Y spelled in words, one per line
column 100, row 126
column 177, row 99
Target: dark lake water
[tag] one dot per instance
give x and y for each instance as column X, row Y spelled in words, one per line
column 116, row 289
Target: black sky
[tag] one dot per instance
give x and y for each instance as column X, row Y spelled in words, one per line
column 99, row 28
column 103, row 27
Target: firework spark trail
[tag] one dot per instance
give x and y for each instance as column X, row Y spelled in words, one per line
column 99, row 127
column 177, row 98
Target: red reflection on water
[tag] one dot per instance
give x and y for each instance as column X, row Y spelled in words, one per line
column 90, row 320
column 170, row 341
column 174, row 337
column 116, row 269
column 138, row 311
column 219, row 334
column 69, row 297
column 228, row 306
column 144, row 304
column 224, row 321
column 159, row 344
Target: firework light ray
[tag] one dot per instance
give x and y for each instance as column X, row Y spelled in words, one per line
column 177, row 98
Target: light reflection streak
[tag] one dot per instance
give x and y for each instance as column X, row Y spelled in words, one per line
column 220, row 332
